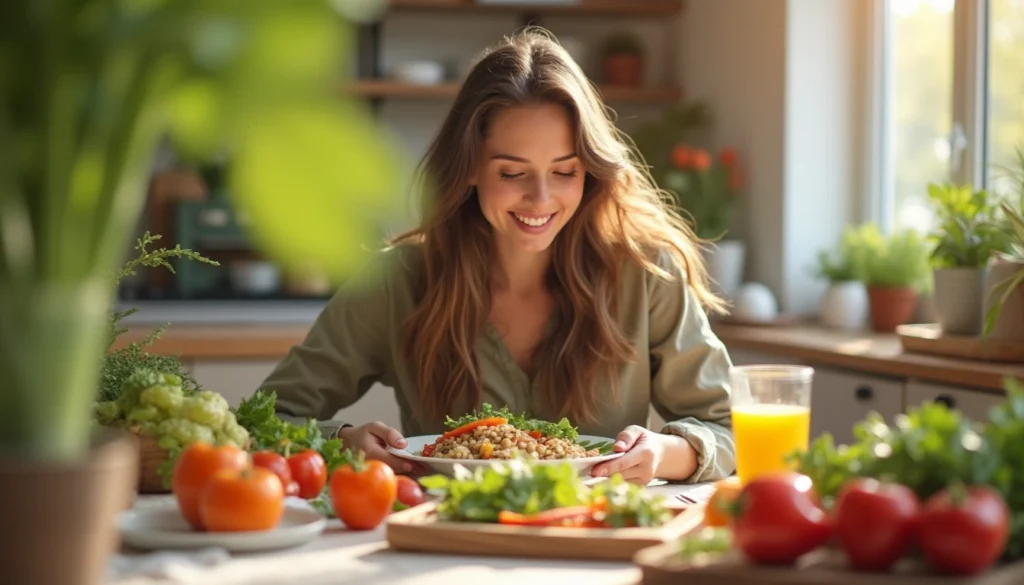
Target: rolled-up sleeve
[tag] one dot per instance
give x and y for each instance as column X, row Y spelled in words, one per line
column 690, row 375
column 342, row 356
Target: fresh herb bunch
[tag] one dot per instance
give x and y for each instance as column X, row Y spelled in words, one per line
column 563, row 429
column 848, row 262
column 267, row 431
column 525, row 488
column 929, row 449
column 120, row 364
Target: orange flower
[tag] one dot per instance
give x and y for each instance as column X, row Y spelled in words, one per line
column 701, row 160
column 682, row 156
column 727, row 157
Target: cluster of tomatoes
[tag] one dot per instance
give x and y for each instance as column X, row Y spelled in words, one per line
column 775, row 520
column 225, row 489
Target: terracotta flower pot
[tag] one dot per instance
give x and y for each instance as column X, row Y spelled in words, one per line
column 625, row 69
column 891, row 307
column 60, row 516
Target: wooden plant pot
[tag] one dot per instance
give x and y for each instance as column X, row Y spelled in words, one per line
column 151, row 457
column 891, row 307
column 61, row 516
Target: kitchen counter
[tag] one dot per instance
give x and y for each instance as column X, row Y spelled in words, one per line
column 865, row 352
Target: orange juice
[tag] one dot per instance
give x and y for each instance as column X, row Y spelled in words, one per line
column 765, row 434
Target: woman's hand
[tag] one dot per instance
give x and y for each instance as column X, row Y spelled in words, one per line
column 649, row 455
column 373, row 439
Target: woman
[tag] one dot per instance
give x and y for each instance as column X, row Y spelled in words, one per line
column 548, row 276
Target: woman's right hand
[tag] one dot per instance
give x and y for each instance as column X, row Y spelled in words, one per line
column 374, row 439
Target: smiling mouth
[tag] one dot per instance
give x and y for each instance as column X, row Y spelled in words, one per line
column 533, row 221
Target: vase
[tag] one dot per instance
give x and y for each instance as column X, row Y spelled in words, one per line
column 1009, row 324
column 958, row 299
column 845, row 305
column 725, row 263
column 61, row 515
column 891, row 307
column 623, row 70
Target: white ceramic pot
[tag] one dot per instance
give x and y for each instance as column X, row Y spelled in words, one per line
column 1008, row 326
column 958, row 299
column 845, row 305
column 725, row 263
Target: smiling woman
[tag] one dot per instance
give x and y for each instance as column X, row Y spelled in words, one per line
column 549, row 275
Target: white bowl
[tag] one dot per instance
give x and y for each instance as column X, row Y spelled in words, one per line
column 414, row 445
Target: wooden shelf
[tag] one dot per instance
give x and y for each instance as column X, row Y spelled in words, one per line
column 583, row 7
column 399, row 90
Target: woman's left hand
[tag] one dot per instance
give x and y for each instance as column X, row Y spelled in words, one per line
column 644, row 452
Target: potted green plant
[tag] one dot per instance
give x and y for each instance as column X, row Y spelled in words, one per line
column 88, row 91
column 845, row 303
column 622, row 60
column 896, row 272
column 966, row 237
column 1004, row 283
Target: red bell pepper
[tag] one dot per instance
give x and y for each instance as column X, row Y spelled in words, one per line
column 469, row 427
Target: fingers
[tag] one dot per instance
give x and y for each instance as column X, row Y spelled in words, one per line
column 398, row 464
column 627, row 438
column 387, row 434
column 637, row 464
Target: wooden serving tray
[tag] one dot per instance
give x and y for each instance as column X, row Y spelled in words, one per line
column 661, row 565
column 418, row 529
column 929, row 338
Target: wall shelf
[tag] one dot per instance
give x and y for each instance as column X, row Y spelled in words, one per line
column 385, row 89
column 583, row 7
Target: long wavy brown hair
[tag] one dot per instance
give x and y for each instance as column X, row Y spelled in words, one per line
column 622, row 217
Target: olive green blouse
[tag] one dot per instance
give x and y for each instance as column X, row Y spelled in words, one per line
column 357, row 341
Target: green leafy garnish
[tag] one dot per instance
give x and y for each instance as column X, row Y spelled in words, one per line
column 267, row 431
column 563, row 429
column 708, row 540
column 528, row 488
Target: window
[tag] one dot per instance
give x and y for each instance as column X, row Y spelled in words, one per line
column 951, row 95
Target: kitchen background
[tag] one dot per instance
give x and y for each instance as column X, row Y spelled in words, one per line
column 839, row 113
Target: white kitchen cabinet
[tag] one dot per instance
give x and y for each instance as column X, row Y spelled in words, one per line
column 973, row 403
column 840, row 399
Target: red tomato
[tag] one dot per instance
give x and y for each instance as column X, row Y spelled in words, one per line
column 875, row 522
column 193, row 469
column 242, row 501
column 279, row 465
column 778, row 520
column 363, row 493
column 963, row 531
column 309, row 470
column 409, row 491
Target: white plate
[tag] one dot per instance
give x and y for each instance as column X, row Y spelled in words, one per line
column 447, row 466
column 162, row 527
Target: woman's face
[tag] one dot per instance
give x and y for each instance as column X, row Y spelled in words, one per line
column 530, row 181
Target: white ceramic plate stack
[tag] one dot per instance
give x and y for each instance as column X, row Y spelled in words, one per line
column 415, row 445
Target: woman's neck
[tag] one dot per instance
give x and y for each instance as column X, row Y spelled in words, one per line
column 521, row 273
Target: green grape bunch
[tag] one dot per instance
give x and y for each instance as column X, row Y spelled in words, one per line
column 156, row 405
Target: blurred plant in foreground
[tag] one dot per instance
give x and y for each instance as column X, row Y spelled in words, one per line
column 87, row 89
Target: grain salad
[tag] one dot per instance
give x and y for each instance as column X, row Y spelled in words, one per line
column 504, row 441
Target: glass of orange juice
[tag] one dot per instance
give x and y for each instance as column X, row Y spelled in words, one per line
column 771, row 416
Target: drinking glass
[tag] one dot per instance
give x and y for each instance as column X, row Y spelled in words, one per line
column 771, row 416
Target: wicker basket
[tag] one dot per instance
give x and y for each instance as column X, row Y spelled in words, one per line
column 151, row 457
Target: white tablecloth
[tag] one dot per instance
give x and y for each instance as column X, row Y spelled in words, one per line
column 340, row 556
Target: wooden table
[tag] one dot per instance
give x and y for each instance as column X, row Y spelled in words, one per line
column 340, row 556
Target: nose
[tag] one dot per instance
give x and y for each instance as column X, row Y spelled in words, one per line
column 541, row 192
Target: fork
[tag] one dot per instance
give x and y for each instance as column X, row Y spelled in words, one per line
column 686, row 499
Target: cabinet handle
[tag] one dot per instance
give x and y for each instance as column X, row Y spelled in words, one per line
column 864, row 393
column 946, row 400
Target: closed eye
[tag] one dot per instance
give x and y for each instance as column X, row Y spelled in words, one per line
column 570, row 174
column 508, row 176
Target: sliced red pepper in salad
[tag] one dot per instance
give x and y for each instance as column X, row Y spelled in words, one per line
column 469, row 427
column 429, row 449
column 568, row 516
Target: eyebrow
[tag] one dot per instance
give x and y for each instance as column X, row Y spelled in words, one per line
column 523, row 160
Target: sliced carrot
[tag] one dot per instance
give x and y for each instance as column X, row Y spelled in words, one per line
column 536, row 434
column 429, row 450
column 468, row 427
column 568, row 516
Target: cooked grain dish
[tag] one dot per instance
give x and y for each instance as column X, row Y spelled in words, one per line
column 507, row 442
